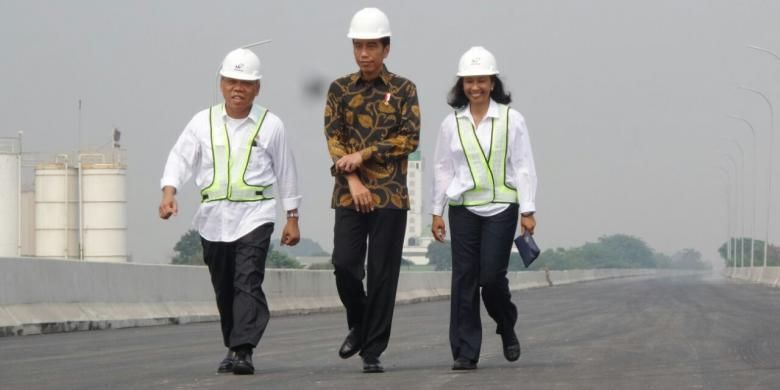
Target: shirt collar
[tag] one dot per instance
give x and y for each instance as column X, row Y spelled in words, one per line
column 492, row 111
column 384, row 76
column 254, row 113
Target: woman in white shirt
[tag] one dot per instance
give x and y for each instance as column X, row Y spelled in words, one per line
column 484, row 170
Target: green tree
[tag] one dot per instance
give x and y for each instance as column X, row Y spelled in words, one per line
column 688, row 259
column 188, row 250
column 622, row 251
column 772, row 260
column 440, row 255
column 663, row 261
column 616, row 251
column 277, row 259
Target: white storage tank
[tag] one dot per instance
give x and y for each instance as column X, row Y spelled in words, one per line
column 9, row 197
column 28, row 223
column 56, row 211
column 104, row 209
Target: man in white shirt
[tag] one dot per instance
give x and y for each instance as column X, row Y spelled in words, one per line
column 239, row 156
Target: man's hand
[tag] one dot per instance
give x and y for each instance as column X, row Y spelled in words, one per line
column 168, row 204
column 349, row 163
column 438, row 229
column 527, row 223
column 291, row 234
column 361, row 196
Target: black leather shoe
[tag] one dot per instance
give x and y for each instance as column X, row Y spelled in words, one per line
column 511, row 346
column 351, row 344
column 226, row 365
column 372, row 365
column 243, row 364
column 464, row 364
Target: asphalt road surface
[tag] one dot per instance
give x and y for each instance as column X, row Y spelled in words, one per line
column 672, row 333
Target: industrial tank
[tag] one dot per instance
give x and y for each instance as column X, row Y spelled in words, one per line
column 104, row 211
column 56, row 210
column 28, row 223
column 9, row 197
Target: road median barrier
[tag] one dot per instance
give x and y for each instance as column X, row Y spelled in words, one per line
column 47, row 295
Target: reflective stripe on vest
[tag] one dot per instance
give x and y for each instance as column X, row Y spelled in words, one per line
column 487, row 172
column 229, row 182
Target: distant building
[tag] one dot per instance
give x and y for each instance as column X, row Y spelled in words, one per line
column 417, row 235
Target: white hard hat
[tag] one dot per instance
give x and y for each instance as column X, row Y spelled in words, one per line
column 241, row 64
column 477, row 61
column 369, row 23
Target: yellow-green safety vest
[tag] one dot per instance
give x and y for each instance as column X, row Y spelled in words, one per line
column 487, row 172
column 228, row 182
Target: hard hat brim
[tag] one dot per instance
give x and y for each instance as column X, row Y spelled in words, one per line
column 368, row 35
column 467, row 74
column 239, row 75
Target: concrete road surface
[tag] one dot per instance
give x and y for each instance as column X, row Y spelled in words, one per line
column 673, row 333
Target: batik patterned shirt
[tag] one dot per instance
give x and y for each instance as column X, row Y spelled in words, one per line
column 379, row 118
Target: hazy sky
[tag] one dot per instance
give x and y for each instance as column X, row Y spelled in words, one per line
column 625, row 100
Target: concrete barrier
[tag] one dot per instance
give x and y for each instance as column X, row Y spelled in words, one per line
column 768, row 276
column 45, row 295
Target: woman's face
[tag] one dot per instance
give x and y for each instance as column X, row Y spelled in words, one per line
column 477, row 89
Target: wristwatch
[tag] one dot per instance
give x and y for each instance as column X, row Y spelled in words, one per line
column 292, row 214
column 527, row 214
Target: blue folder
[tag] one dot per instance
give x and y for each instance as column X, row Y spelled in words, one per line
column 527, row 247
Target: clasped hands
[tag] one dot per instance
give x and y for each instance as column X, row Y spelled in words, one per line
column 349, row 163
column 361, row 195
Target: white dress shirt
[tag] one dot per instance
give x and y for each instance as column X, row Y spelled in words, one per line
column 451, row 180
column 271, row 162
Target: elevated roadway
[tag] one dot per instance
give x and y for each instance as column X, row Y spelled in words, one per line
column 633, row 333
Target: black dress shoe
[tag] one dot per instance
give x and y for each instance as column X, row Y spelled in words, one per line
column 511, row 345
column 226, row 365
column 464, row 364
column 243, row 364
column 372, row 365
column 351, row 344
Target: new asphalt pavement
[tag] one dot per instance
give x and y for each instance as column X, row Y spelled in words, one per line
column 685, row 332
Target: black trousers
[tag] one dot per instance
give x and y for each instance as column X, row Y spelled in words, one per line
column 370, row 310
column 480, row 256
column 237, row 270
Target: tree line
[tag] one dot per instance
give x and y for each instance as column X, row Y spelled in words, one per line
column 615, row 251
column 741, row 250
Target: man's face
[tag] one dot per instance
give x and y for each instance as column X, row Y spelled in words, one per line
column 477, row 88
column 370, row 54
column 239, row 94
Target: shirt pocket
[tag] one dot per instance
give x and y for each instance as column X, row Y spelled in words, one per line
column 258, row 157
column 257, row 166
column 388, row 110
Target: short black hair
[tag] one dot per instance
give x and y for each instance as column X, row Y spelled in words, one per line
column 384, row 41
column 457, row 98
